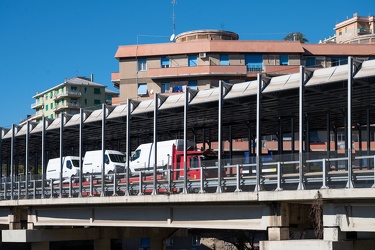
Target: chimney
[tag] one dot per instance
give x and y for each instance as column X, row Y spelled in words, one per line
column 92, row 77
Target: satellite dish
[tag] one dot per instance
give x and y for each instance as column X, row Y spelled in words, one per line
column 172, row 37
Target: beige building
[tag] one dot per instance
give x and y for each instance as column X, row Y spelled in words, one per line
column 69, row 96
column 355, row 30
column 200, row 59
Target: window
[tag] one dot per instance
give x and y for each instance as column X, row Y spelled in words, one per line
column 47, row 107
column 224, row 59
column 142, row 88
column 96, row 91
column 73, row 88
column 96, row 102
column 51, row 116
column 192, row 61
column 51, row 105
column 85, row 90
column 193, row 85
column 284, row 60
column 310, row 61
column 165, row 62
column 254, row 62
column 165, row 87
column 85, row 101
column 142, row 64
column 51, row 94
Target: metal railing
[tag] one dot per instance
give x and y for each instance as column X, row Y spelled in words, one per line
column 281, row 172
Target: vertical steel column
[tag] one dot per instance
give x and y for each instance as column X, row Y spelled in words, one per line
column 12, row 160
column 249, row 143
column 258, row 134
column 360, row 145
column 301, row 185
column 230, row 144
column 280, row 140
column 186, row 107
column 328, row 131
column 128, row 148
column 292, row 136
column 204, row 139
column 80, row 150
column 220, row 139
column 156, row 107
column 349, row 123
column 104, row 116
column 43, row 154
column 27, row 159
column 368, row 136
column 61, row 152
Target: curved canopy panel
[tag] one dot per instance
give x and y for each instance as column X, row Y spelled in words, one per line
column 173, row 101
column 367, row 69
column 119, row 111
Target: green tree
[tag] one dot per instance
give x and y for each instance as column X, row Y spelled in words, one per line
column 296, row 36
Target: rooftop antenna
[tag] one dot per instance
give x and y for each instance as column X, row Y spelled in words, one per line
column 173, row 25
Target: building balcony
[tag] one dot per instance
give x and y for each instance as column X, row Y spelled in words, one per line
column 198, row 71
column 38, row 115
column 363, row 31
column 115, row 78
column 36, row 105
column 74, row 94
column 71, row 105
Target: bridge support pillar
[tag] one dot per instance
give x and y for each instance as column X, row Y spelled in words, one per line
column 280, row 219
column 40, row 245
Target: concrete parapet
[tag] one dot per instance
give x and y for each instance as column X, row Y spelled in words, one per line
column 306, row 245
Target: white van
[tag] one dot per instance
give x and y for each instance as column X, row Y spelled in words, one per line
column 114, row 162
column 70, row 167
column 143, row 157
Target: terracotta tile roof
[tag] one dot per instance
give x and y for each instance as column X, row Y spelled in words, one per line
column 340, row 49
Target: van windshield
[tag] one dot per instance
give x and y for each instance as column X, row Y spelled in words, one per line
column 75, row 163
column 117, row 158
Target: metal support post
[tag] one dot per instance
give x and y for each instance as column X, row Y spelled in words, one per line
column 128, row 147
column 12, row 142
column 324, row 174
column 61, row 152
column 238, row 179
column 80, row 149
column 220, row 139
column 278, row 188
column 186, row 106
column 258, row 134
column 349, row 184
column 301, row 185
column 27, row 159
column 43, row 155
column 104, row 116
column 155, row 148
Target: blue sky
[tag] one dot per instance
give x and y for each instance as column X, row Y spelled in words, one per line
column 44, row 41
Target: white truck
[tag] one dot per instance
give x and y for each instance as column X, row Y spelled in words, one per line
column 143, row 157
column 114, row 162
column 70, row 167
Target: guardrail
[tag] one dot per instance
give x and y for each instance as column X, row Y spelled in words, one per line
column 274, row 176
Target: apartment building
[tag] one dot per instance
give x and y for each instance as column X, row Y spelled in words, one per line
column 200, row 59
column 356, row 30
column 69, row 96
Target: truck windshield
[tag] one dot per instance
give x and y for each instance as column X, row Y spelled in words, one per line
column 117, row 158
